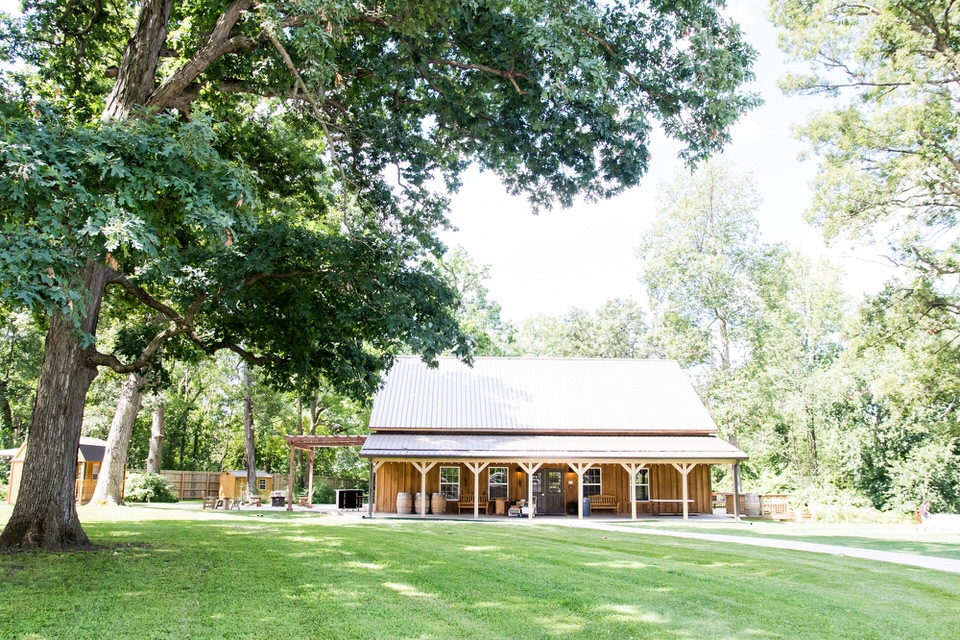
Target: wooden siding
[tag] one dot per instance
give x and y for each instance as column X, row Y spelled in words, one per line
column 665, row 483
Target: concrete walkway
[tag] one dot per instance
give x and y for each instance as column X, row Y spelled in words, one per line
column 910, row 559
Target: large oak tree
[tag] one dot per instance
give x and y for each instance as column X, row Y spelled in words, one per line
column 304, row 239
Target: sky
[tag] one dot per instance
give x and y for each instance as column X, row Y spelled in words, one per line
column 585, row 255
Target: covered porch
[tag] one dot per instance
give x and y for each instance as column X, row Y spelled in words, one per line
column 548, row 475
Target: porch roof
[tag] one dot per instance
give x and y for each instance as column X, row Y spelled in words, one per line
column 504, row 448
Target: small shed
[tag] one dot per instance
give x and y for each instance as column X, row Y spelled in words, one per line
column 89, row 459
column 233, row 484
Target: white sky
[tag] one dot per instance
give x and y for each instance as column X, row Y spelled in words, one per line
column 586, row 255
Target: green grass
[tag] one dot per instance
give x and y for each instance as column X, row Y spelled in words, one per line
column 177, row 572
column 899, row 538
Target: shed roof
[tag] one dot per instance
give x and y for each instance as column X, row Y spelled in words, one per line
column 91, row 449
column 243, row 474
column 501, row 448
column 540, row 395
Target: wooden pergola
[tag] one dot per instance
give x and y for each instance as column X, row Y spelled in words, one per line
column 308, row 444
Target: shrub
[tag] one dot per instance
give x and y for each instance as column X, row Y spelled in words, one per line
column 149, row 487
column 323, row 494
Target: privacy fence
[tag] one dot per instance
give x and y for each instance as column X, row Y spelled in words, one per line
column 194, row 485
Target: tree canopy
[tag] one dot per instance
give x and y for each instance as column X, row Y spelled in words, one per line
column 260, row 177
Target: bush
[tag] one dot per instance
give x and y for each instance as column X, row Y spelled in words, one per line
column 323, row 494
column 149, row 487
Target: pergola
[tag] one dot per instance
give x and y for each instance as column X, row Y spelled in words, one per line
column 308, row 444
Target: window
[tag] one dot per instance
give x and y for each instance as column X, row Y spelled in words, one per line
column 450, row 482
column 591, row 482
column 643, row 485
column 497, row 483
column 263, row 484
column 96, row 470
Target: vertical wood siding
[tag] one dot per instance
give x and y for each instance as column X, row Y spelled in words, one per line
column 665, row 483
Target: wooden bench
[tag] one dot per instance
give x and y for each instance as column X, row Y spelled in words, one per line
column 602, row 502
column 304, row 501
column 466, row 502
column 254, row 500
column 210, row 502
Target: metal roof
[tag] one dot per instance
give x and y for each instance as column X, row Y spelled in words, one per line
column 503, row 448
column 540, row 395
column 243, row 474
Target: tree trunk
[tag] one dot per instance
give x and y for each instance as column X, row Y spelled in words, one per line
column 46, row 512
column 249, row 450
column 155, row 456
column 109, row 489
column 303, row 470
column 7, row 433
column 136, row 79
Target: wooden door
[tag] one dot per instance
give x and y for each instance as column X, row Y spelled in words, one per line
column 548, row 488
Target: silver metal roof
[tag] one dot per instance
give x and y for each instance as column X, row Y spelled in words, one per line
column 543, row 395
column 503, row 448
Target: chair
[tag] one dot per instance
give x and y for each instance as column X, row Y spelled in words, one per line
column 210, row 502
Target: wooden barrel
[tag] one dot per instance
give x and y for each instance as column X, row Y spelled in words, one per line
column 438, row 503
column 751, row 504
column 416, row 504
column 404, row 503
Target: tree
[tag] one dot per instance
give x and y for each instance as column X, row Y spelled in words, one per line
column 332, row 280
column 109, row 489
column 699, row 261
column 479, row 317
column 888, row 150
column 616, row 330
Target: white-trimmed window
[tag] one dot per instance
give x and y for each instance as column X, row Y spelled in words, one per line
column 642, row 486
column 263, row 484
column 591, row 482
column 497, row 482
column 96, row 470
column 450, row 482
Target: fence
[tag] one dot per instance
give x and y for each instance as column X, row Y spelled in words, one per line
column 194, row 485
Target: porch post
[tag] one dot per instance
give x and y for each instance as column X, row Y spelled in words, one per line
column 423, row 467
column 580, row 468
column 372, row 485
column 684, row 468
column 633, row 468
column 530, row 468
column 476, row 467
column 736, row 491
column 290, row 483
column 310, row 477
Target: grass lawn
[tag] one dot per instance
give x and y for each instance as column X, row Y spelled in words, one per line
column 178, row 572
column 899, row 538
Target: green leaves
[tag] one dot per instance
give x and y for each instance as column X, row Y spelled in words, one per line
column 120, row 194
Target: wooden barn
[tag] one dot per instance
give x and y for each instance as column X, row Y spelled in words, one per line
column 89, row 459
column 632, row 435
column 233, row 484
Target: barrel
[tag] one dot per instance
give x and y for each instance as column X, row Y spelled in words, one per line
column 416, row 504
column 404, row 502
column 438, row 503
column 751, row 504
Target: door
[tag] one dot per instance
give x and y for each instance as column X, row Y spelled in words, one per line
column 548, row 489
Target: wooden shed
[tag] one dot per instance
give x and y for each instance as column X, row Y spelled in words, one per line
column 233, row 484
column 631, row 435
column 89, row 458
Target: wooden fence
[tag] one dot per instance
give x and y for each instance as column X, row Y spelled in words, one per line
column 194, row 485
